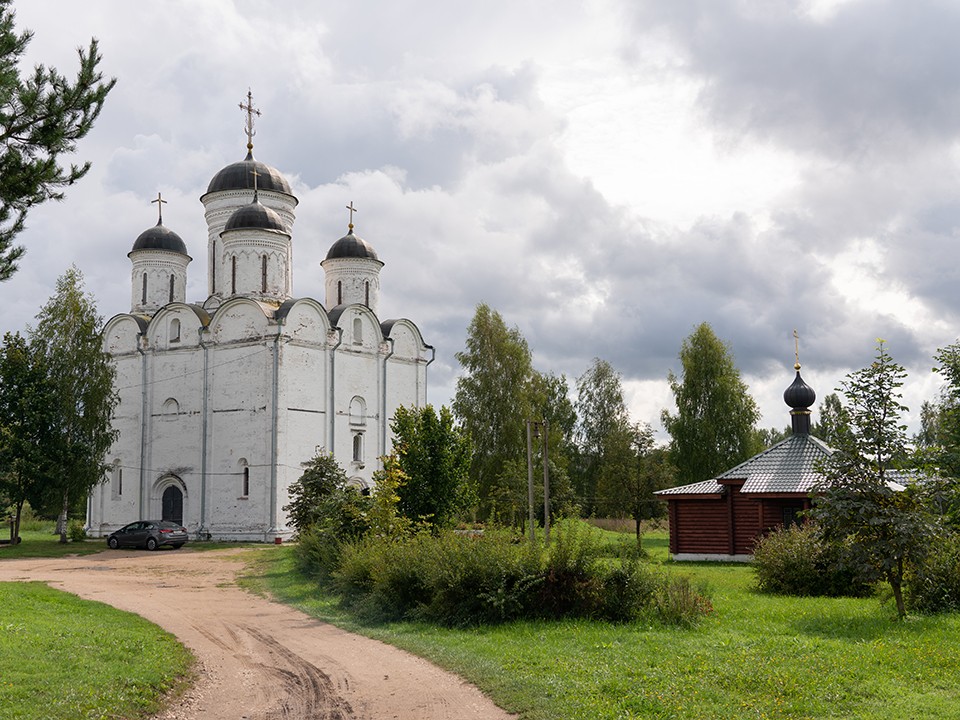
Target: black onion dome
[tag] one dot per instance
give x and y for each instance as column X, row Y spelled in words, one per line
column 799, row 396
column 255, row 217
column 350, row 246
column 239, row 176
column 160, row 238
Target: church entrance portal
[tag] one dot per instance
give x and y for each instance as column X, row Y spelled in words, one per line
column 172, row 505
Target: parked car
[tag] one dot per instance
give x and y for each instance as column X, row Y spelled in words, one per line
column 149, row 534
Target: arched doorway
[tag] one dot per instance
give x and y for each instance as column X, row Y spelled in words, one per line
column 172, row 505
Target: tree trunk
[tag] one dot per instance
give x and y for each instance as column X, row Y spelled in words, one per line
column 895, row 577
column 636, row 519
column 62, row 519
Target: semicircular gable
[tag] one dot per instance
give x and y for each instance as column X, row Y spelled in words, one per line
column 305, row 320
column 359, row 325
column 176, row 325
column 239, row 319
column 407, row 340
column 121, row 333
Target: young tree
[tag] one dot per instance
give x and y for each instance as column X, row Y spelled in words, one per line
column 713, row 428
column 68, row 338
column 883, row 529
column 834, row 425
column 434, row 456
column 26, row 403
column 603, row 432
column 321, row 497
column 42, row 116
column 494, row 397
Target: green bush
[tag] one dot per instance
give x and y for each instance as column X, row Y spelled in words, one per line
column 798, row 561
column 457, row 579
column 934, row 586
column 76, row 531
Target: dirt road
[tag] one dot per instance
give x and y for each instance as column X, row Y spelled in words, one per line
column 259, row 660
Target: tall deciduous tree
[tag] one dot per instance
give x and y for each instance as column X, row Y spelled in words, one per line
column 713, row 428
column 603, row 432
column 834, row 425
column 42, row 116
column 434, row 456
column 882, row 529
column 68, row 337
column 494, row 397
column 26, row 403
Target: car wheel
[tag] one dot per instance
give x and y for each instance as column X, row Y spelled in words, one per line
column 151, row 544
column 113, row 543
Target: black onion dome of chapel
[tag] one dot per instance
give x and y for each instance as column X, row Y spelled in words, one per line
column 255, row 217
column 239, row 176
column 799, row 395
column 160, row 238
column 351, row 246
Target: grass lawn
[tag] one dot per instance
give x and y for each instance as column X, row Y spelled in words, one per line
column 756, row 656
column 64, row 657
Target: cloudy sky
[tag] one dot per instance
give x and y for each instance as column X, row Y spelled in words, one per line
column 607, row 174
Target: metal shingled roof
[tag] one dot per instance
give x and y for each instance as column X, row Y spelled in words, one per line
column 787, row 467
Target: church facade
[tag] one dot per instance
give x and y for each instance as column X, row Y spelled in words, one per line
column 223, row 401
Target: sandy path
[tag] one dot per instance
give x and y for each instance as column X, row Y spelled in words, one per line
column 259, row 660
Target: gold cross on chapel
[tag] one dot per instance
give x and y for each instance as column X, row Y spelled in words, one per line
column 796, row 349
column 250, row 110
column 160, row 203
column 352, row 210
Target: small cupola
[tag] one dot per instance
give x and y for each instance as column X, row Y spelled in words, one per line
column 352, row 271
column 799, row 397
column 159, row 267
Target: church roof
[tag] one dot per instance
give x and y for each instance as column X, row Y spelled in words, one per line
column 790, row 466
column 160, row 238
column 351, row 246
column 239, row 176
column 255, row 217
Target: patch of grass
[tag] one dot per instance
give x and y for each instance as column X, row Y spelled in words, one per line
column 756, row 656
column 44, row 543
column 70, row 658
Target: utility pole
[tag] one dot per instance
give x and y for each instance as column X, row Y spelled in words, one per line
column 530, row 483
column 546, row 483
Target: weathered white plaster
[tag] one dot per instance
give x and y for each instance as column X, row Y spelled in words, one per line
column 224, row 402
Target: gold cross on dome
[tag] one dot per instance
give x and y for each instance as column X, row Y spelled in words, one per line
column 255, row 176
column 160, row 203
column 251, row 111
column 352, row 210
column 796, row 348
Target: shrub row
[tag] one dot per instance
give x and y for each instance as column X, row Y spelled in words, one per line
column 934, row 586
column 457, row 579
column 797, row 561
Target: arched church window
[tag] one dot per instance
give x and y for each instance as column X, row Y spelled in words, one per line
column 358, row 447
column 233, row 275
column 357, row 331
column 263, row 274
column 213, row 269
column 339, row 292
column 244, row 478
column 171, row 288
column 358, row 411
column 366, row 290
column 143, row 292
column 175, row 330
column 117, row 478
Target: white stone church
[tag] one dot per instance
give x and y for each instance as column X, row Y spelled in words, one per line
column 221, row 402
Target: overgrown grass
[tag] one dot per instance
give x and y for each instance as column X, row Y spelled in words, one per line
column 756, row 656
column 64, row 657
